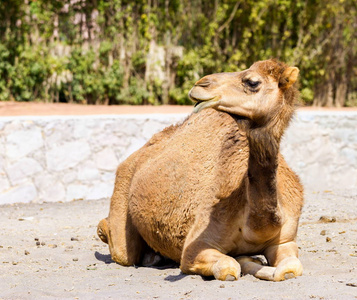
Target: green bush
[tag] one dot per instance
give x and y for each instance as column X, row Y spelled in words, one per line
column 97, row 51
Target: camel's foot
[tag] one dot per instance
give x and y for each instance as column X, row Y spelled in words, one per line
column 226, row 269
column 102, row 230
column 288, row 268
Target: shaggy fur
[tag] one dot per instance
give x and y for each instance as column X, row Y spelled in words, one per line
column 215, row 187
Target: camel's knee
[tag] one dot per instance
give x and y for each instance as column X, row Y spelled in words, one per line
column 211, row 262
column 226, row 268
column 102, row 230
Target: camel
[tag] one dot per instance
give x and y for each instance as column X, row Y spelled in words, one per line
column 214, row 191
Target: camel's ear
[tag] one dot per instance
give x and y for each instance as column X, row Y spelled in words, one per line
column 289, row 77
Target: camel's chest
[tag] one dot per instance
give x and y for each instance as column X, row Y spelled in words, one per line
column 244, row 240
column 247, row 244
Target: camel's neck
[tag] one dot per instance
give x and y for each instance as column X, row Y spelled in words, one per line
column 262, row 190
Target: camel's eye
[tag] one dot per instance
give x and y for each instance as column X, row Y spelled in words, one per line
column 253, row 84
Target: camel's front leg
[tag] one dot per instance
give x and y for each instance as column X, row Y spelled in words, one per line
column 256, row 268
column 285, row 258
column 199, row 258
column 283, row 261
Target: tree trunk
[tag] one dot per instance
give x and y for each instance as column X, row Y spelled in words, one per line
column 341, row 91
column 70, row 93
column 324, row 91
column 319, row 95
column 329, row 94
column 168, row 63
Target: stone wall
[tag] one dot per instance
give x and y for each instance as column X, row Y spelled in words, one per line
column 321, row 146
column 61, row 158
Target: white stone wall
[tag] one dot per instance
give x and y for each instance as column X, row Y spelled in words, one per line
column 321, row 146
column 61, row 158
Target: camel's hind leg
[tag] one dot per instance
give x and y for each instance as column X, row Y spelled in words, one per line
column 125, row 243
column 128, row 253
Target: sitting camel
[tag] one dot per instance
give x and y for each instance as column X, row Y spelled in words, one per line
column 214, row 190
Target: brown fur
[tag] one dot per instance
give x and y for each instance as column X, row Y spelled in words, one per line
column 215, row 186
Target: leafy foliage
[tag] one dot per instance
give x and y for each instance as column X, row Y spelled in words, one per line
column 152, row 52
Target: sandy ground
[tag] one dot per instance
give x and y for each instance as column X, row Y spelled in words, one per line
column 51, row 251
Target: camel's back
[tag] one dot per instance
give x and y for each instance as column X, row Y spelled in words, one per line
column 180, row 172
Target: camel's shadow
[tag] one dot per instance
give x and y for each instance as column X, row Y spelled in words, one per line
column 164, row 265
column 106, row 258
column 174, row 278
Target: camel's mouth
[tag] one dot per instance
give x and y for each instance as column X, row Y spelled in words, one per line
column 197, row 103
column 203, row 103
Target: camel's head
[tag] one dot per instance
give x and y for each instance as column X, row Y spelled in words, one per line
column 256, row 93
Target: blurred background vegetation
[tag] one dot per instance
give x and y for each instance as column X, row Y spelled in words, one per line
column 152, row 51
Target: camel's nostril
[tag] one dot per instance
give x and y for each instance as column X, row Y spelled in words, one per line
column 203, row 83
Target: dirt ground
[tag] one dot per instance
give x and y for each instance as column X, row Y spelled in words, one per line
column 46, row 109
column 50, row 251
column 49, row 109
